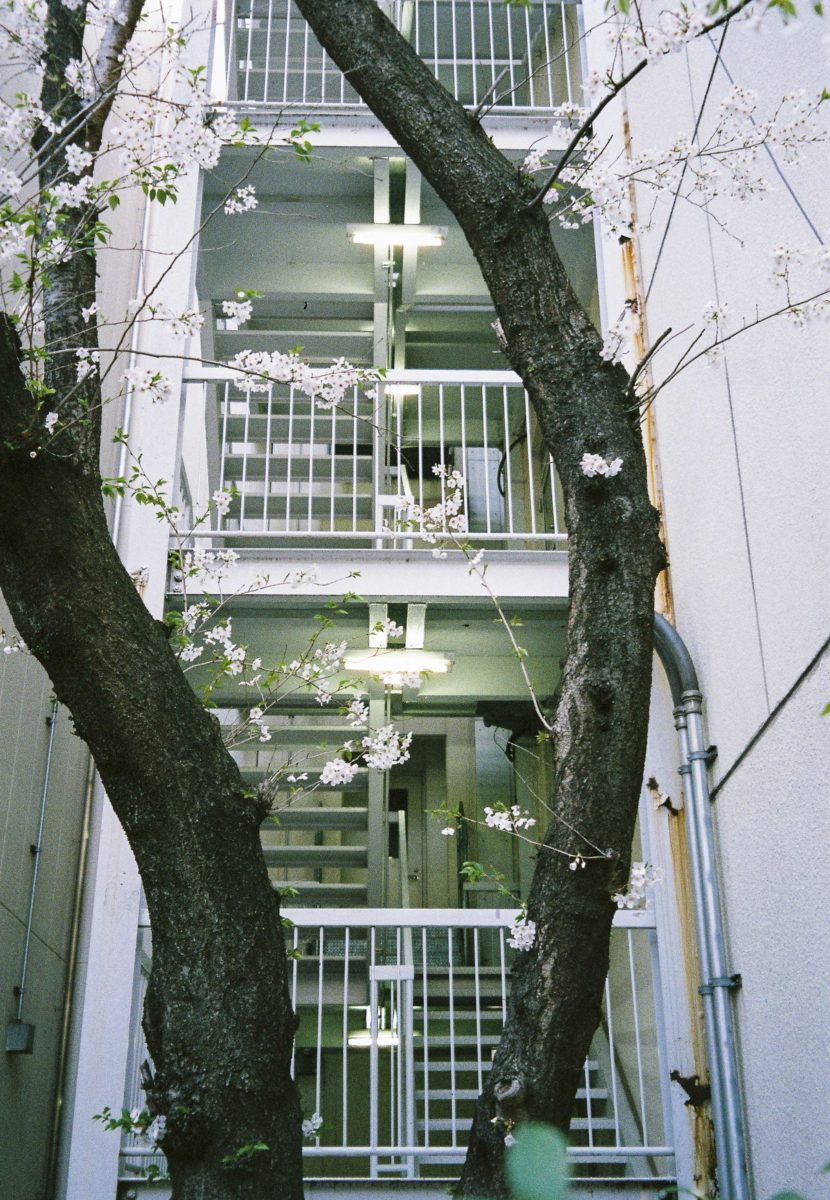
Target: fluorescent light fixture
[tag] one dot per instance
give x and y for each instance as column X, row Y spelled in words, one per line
column 396, row 235
column 403, row 661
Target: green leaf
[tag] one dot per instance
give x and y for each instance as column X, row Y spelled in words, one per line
column 825, row 712
column 537, row 1164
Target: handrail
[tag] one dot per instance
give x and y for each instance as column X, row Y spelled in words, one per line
column 438, row 918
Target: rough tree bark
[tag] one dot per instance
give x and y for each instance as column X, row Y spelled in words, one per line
column 218, row 1016
column 615, row 554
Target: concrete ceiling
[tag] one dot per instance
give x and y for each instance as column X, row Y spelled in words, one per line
column 332, row 297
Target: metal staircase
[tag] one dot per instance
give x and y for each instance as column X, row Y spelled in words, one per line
column 317, row 843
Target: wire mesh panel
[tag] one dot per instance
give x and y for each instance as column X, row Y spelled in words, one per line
column 484, row 51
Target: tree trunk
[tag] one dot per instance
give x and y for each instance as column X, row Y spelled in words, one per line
column 600, row 725
column 218, row 1017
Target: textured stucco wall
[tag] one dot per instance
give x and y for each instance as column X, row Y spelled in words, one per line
column 743, row 452
column 27, row 1082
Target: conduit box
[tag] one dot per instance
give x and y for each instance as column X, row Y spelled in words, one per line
column 20, row 1037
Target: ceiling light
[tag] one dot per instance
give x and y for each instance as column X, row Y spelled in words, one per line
column 408, row 662
column 397, row 235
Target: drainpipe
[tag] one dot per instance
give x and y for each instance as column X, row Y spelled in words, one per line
column 71, row 971
column 20, row 1035
column 717, row 982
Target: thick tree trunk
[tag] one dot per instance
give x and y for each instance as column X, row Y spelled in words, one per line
column 218, row 1017
column 582, row 404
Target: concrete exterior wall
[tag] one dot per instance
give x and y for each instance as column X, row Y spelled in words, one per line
column 742, row 453
column 28, row 1083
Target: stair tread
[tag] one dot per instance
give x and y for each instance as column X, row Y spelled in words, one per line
column 293, row 817
column 315, row 856
column 443, row 1124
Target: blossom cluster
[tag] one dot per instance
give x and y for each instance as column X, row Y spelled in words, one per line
column 508, row 819
column 593, row 465
column 312, row 1125
column 522, row 933
column 208, row 564
column 643, row 876
column 10, row 644
column 257, row 370
column 442, row 519
column 241, row 199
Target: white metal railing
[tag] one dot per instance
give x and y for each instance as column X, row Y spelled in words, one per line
column 302, row 474
column 516, row 57
column 400, row 1011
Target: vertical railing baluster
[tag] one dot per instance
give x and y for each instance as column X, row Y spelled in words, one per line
column 463, row 402
column 231, row 89
column 454, row 50
column 502, row 976
column 226, row 405
column 344, row 1069
column 248, row 62
column 548, row 53
column 588, row 1108
column 287, row 57
column 268, row 30
column 612, row 1054
column 435, row 36
column 373, row 1056
column 479, row 1050
column 425, row 1014
column 508, row 476
column 508, row 16
column 306, row 35
column 486, row 463
column 531, row 486
column 267, row 469
column 635, row 1010
column 473, row 60
column 531, row 83
column 244, row 480
column 318, row 1083
column 333, row 463
column 295, row 946
column 442, row 453
column 355, row 402
column 289, row 456
column 420, row 445
column 566, row 52
column 451, row 993
column 312, row 413
column 493, row 72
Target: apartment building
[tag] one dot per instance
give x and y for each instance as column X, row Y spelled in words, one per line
column 402, row 966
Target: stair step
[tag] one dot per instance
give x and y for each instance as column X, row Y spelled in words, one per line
column 463, row 1124
column 321, row 818
column 315, row 856
column 443, row 1066
column 597, row 1094
column 460, row 1014
column 311, row 893
column 461, row 1040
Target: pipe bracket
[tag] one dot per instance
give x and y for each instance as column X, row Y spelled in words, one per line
column 732, row 982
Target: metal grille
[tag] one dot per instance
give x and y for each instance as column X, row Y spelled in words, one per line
column 514, row 56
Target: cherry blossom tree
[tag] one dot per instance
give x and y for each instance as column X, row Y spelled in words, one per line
column 102, row 103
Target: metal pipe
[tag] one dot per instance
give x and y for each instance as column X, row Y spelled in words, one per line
column 717, row 982
column 51, row 721
column 71, row 967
